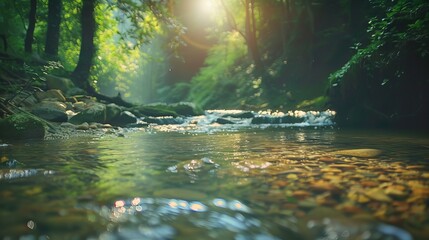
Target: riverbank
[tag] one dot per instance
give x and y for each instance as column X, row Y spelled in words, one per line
column 62, row 110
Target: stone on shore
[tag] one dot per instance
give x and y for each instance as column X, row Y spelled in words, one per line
column 94, row 113
column 52, row 94
column 51, row 110
column 22, row 126
column 55, row 82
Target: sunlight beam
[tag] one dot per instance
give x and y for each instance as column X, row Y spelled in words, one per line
column 207, row 8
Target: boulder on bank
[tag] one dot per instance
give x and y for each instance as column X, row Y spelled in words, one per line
column 112, row 111
column 22, row 126
column 100, row 113
column 95, row 112
column 52, row 94
column 55, row 82
column 51, row 110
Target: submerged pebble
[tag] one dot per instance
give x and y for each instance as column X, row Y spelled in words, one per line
column 364, row 152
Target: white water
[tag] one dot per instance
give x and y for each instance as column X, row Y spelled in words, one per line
column 209, row 122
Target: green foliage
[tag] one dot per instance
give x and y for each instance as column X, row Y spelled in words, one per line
column 12, row 24
column 126, row 61
column 176, row 93
column 31, row 75
column 70, row 34
column 216, row 82
column 404, row 23
column 385, row 82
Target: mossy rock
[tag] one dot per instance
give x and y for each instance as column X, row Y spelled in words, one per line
column 223, row 121
column 186, row 109
column 94, row 113
column 164, row 120
column 240, row 115
column 167, row 110
column 123, row 119
column 154, row 111
column 112, row 111
column 22, row 126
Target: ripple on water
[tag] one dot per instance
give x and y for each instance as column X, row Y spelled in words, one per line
column 155, row 218
column 9, row 174
column 161, row 218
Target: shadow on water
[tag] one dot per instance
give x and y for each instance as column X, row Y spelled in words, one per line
column 271, row 183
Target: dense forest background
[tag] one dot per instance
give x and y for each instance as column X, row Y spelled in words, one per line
column 368, row 60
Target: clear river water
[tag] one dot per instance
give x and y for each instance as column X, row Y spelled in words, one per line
column 218, row 181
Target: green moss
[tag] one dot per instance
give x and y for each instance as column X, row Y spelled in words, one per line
column 96, row 113
column 164, row 110
column 22, row 126
column 317, row 103
column 155, row 111
column 186, row 109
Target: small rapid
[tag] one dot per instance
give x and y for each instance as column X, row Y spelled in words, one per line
column 232, row 120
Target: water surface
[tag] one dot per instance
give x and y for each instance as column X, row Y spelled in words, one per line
column 250, row 183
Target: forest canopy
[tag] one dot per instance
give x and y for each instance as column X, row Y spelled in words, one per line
column 366, row 59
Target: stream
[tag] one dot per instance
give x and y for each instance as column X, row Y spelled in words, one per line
column 210, row 179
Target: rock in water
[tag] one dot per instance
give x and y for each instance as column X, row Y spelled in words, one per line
column 243, row 114
column 123, row 119
column 364, row 152
column 164, row 120
column 22, row 126
column 224, row 121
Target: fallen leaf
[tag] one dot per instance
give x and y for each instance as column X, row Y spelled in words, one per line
column 321, row 185
column 378, row 195
column 300, row 194
column 364, row 152
column 343, row 166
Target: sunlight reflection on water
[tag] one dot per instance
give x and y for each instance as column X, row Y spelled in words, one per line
column 252, row 183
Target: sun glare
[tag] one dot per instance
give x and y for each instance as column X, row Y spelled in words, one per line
column 207, row 7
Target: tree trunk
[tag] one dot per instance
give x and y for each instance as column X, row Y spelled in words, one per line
column 87, row 48
column 3, row 37
column 310, row 34
column 251, row 33
column 28, row 42
column 53, row 31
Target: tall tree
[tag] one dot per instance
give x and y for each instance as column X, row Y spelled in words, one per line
column 29, row 36
column 87, row 49
column 53, row 31
column 250, row 29
column 251, row 39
